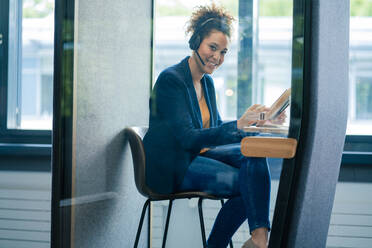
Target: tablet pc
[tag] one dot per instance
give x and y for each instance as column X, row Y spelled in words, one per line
column 279, row 105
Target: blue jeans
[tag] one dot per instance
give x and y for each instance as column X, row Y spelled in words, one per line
column 225, row 172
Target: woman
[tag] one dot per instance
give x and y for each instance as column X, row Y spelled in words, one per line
column 188, row 147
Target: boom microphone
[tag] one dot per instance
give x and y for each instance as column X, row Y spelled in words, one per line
column 199, row 57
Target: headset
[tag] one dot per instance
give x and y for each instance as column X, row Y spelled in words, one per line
column 195, row 39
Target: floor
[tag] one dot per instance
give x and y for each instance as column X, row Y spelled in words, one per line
column 351, row 221
column 25, row 215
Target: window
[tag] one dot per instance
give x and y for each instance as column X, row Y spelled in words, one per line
column 358, row 144
column 27, row 68
column 360, row 64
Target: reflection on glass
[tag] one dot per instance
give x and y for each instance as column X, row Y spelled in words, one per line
column 30, row 70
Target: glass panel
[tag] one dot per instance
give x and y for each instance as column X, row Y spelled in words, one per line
column 360, row 64
column 30, row 84
column 104, row 56
column 93, row 181
column 271, row 62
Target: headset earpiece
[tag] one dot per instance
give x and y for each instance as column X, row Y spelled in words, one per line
column 194, row 41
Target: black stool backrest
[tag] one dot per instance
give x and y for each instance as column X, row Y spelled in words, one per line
column 135, row 136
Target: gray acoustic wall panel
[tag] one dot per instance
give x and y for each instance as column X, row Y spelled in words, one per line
column 324, row 133
column 112, row 83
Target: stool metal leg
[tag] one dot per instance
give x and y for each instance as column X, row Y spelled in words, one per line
column 141, row 222
column 231, row 243
column 200, row 206
column 167, row 223
column 149, row 228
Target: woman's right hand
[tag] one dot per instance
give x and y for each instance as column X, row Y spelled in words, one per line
column 251, row 116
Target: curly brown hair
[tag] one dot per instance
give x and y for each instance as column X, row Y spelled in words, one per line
column 206, row 18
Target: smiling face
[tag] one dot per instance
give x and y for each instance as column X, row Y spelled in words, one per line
column 212, row 50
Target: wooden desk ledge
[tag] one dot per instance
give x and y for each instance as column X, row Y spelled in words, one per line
column 272, row 147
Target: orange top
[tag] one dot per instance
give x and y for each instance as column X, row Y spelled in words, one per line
column 206, row 117
column 204, row 112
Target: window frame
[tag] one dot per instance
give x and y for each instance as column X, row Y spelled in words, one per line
column 7, row 135
column 357, row 150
